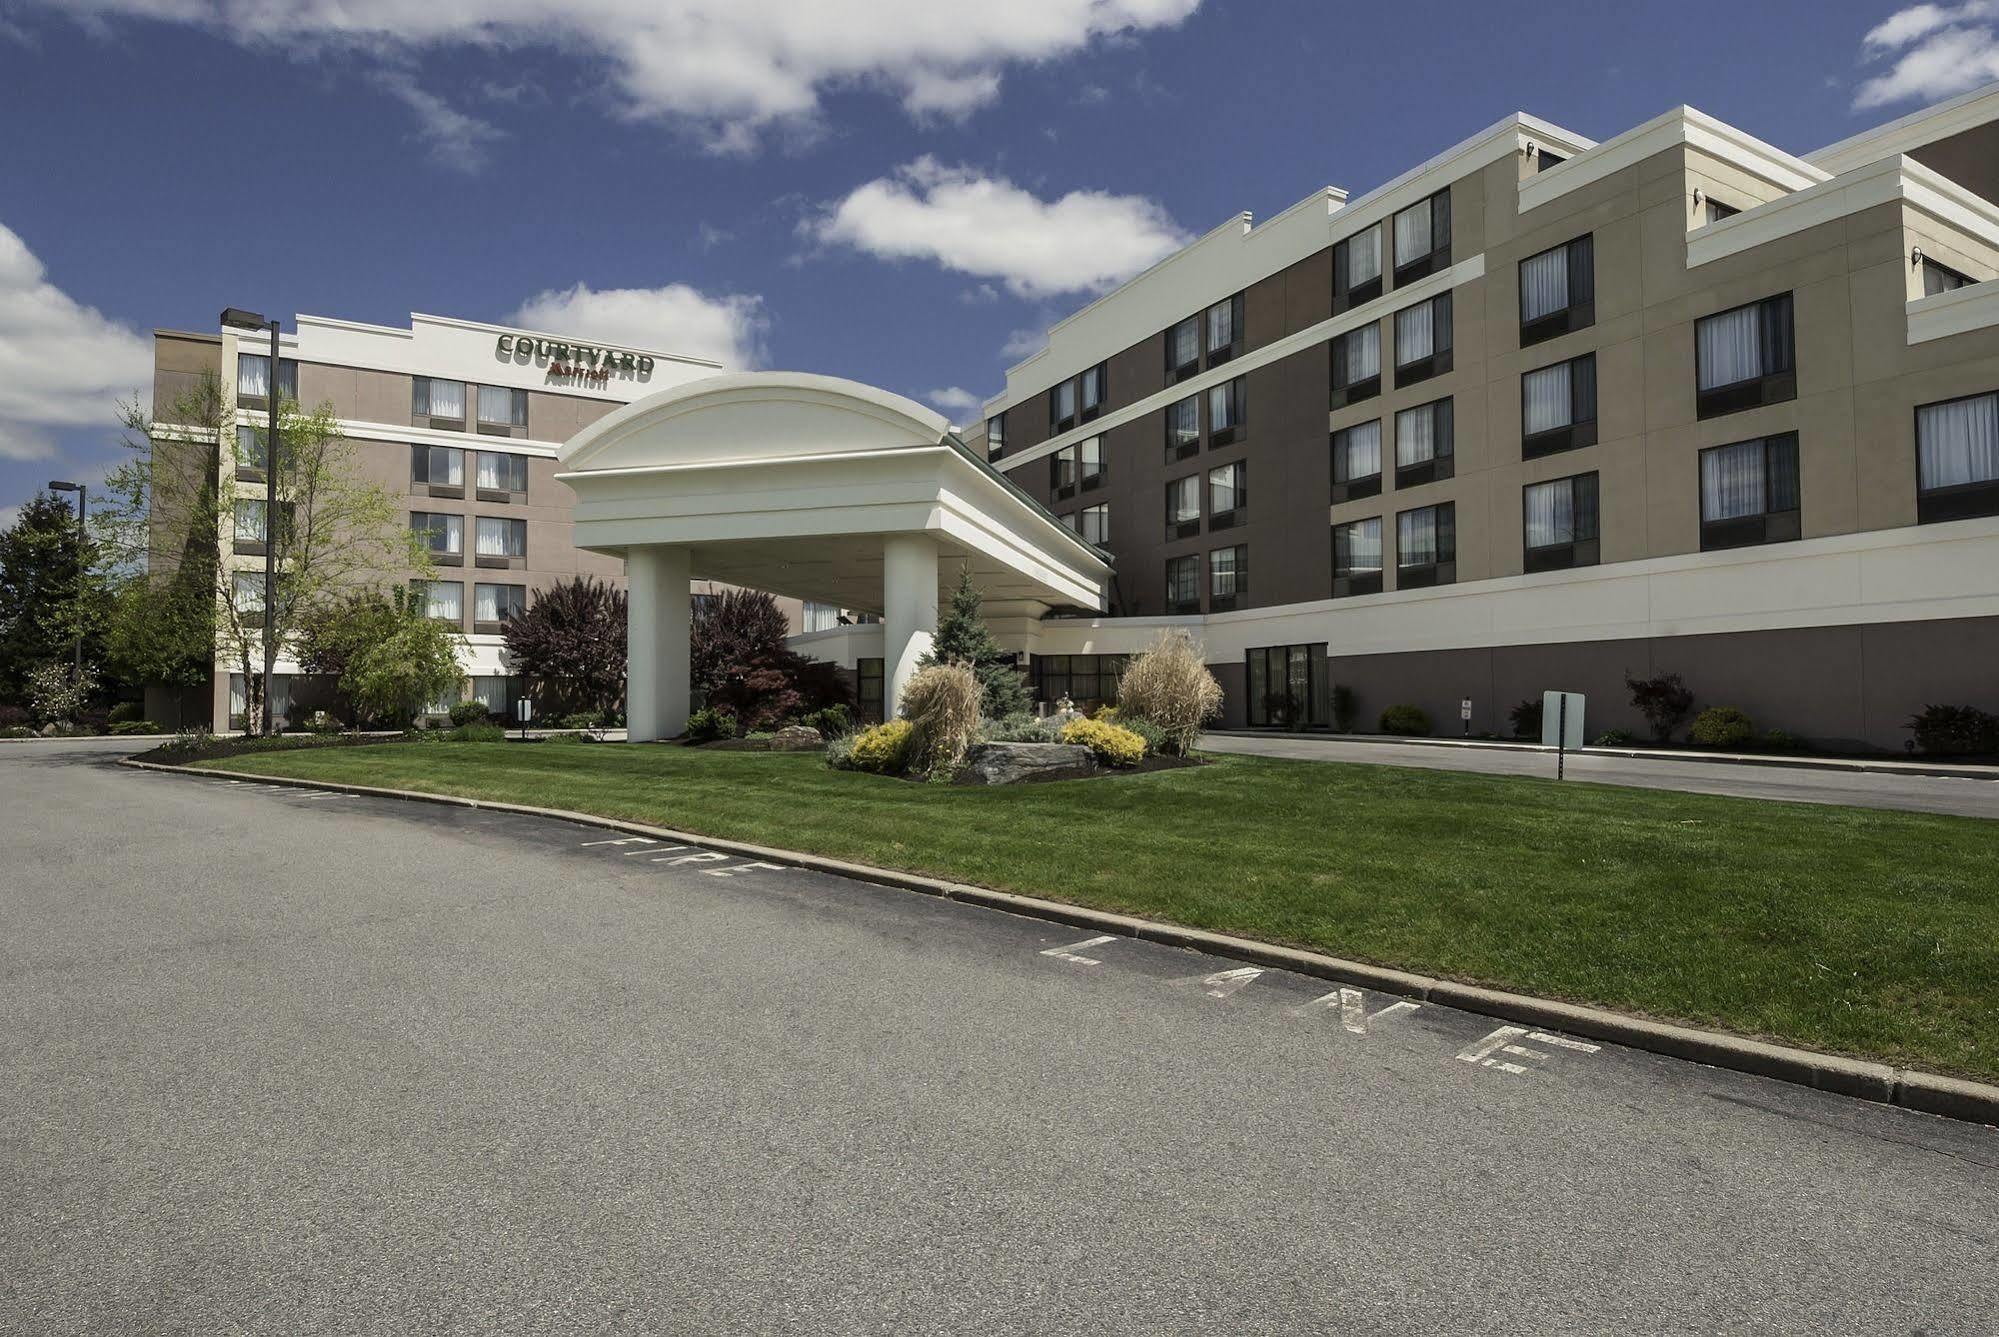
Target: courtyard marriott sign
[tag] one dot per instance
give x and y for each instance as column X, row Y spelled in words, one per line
column 579, row 362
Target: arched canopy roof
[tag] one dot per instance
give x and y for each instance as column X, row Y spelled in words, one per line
column 790, row 482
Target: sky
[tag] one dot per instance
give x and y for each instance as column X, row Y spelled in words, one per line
column 904, row 191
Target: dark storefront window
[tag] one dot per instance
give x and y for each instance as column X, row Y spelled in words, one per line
column 1288, row 687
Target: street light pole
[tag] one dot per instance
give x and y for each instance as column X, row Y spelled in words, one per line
column 250, row 320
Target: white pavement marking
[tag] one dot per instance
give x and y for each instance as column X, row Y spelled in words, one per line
column 1501, row 1041
column 628, row 840
column 707, row 856
column 744, row 868
column 1226, row 983
column 626, row 854
column 1352, row 1004
column 1073, row 950
column 1563, row 1041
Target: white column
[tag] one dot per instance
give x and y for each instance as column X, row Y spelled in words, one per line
column 909, row 610
column 657, row 670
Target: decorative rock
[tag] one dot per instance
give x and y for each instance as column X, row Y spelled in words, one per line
column 795, row 738
column 1011, row 763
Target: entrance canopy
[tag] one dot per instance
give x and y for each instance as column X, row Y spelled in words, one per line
column 813, row 487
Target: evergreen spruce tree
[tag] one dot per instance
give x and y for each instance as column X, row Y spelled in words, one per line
column 964, row 638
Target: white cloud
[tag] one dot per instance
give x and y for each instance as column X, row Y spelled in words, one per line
column 1024, row 343
column 457, row 141
column 988, row 227
column 1944, row 49
column 708, row 236
column 8, row 515
column 953, row 399
column 65, row 364
column 674, row 319
column 730, row 70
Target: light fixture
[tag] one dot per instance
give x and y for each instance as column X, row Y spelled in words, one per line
column 1915, row 257
column 239, row 319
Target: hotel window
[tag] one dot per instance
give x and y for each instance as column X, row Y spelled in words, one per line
column 438, row 468
column 1558, row 407
column 1357, row 269
column 1942, row 278
column 868, row 678
column 281, row 700
column 1425, row 449
column 502, row 411
column 1183, row 428
column 501, row 476
column 1224, row 321
column 1093, row 391
column 1062, row 406
column 496, row 693
column 1423, row 238
column 1426, row 546
column 253, row 378
column 493, row 605
column 995, row 435
column 250, row 456
column 1357, row 461
column 1089, row 463
column 1357, row 557
column 1097, row 524
column 1288, row 687
column 1558, row 291
column 1749, row 493
column 1183, row 507
column 1356, row 364
column 443, row 600
column 1713, row 210
column 442, row 535
column 1423, row 340
column 1228, row 494
column 1081, row 678
column 1183, row 584
column 246, row 594
column 819, row 617
column 435, row 403
column 1228, row 578
column 1745, row 357
column 1228, row 405
column 501, row 542
column 1559, row 523
column 1183, row 350
column 1957, row 459
column 250, row 532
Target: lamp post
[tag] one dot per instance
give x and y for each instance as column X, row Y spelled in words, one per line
column 82, row 538
column 237, row 318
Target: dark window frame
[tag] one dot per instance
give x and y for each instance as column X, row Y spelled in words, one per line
column 996, row 439
column 1578, row 432
column 287, row 381
column 1442, row 341
column 1197, row 564
column 1580, row 313
column 1767, row 526
column 1770, row 387
column 516, row 424
column 1085, row 411
column 1442, row 463
column 1955, row 501
column 438, row 555
column 423, row 459
column 420, row 414
column 1367, row 485
column 1234, row 515
column 1180, row 371
column 1061, row 462
column 1237, row 305
column 1056, row 422
column 517, row 603
column 1225, row 603
column 1444, row 569
column 1177, row 528
column 1346, row 294
column 1439, row 255
column 1577, row 551
column 1177, row 449
column 1345, row 393
column 507, row 560
column 1237, row 389
column 517, row 464
column 1276, row 663
column 1354, row 585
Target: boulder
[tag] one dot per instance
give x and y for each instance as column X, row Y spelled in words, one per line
column 1011, row 763
column 796, row 738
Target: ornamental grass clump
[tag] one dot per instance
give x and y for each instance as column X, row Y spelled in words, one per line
column 1170, row 686
column 941, row 703
column 1114, row 744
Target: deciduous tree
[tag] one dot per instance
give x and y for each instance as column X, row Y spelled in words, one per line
column 570, row 645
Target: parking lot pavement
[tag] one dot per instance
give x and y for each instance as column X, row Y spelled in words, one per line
column 275, row 1060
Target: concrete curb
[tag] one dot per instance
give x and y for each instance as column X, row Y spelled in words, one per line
column 96, row 738
column 1837, row 765
column 1949, row 1097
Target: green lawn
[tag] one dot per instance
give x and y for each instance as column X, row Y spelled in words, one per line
column 1866, row 932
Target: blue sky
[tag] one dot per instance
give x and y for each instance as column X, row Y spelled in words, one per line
column 893, row 191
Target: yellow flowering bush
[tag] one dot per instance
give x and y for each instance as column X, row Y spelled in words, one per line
column 1113, row 744
column 883, row 748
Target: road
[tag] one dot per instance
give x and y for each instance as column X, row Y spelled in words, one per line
column 1963, row 797
column 278, row 1062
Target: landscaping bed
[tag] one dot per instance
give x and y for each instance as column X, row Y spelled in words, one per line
column 1849, row 930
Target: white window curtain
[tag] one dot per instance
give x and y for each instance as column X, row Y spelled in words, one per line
column 1415, row 436
column 1221, row 326
column 1186, row 340
column 1185, row 498
column 447, row 399
column 1097, row 524
column 1222, row 572
column 496, row 538
column 1065, row 400
column 492, row 471
column 442, row 703
column 1093, row 388
column 444, row 533
column 249, row 591
column 1551, row 513
column 1544, row 283
column 1545, row 401
column 487, row 603
column 1364, row 257
column 253, row 375
column 1183, row 580
column 1184, row 420
column 1958, row 442
column 445, row 599
column 1360, row 447
column 1415, row 334
column 1730, row 350
column 1092, row 455
column 1412, row 233
column 447, row 466
column 249, row 448
column 1416, row 537
column 496, row 405
column 1221, row 407
column 820, row 617
column 1360, row 354
column 1732, row 480
column 1360, row 547
column 1222, row 488
column 250, row 521
column 491, row 693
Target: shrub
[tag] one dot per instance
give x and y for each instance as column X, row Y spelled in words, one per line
column 831, row 722
column 1777, row 740
column 1955, row 731
column 1722, row 726
column 582, row 719
column 469, row 712
column 1526, row 718
column 1171, row 686
column 12, row 715
column 125, row 712
column 1114, row 744
column 883, row 749
column 54, row 696
column 1409, row 721
column 1664, row 702
column 16, row 731
column 1346, row 709
column 840, row 752
column 942, row 702
column 574, row 738
column 1153, row 736
column 477, row 731
column 1021, row 728
column 706, row 725
column 1613, row 738
column 135, row 727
